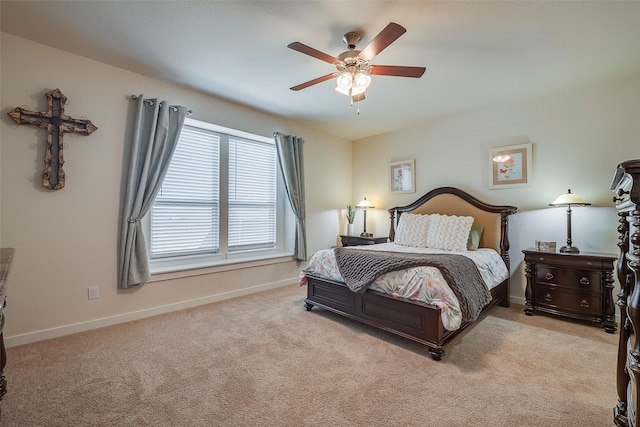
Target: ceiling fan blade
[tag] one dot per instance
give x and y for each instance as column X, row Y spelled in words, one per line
column 387, row 36
column 398, row 71
column 313, row 82
column 303, row 48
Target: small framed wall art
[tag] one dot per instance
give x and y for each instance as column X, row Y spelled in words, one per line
column 510, row 166
column 402, row 176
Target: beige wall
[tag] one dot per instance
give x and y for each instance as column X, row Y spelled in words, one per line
column 67, row 240
column 578, row 139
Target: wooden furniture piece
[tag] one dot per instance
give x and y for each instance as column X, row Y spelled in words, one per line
column 573, row 285
column 414, row 320
column 626, row 185
column 359, row 240
column 6, row 256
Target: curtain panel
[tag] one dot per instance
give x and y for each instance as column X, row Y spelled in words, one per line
column 156, row 129
column 291, row 161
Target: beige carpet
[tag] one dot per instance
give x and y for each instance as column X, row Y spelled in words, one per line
column 262, row 360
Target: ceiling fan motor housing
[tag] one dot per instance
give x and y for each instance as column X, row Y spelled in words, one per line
column 350, row 57
column 351, row 39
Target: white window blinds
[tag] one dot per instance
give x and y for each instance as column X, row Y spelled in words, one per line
column 185, row 215
column 252, row 194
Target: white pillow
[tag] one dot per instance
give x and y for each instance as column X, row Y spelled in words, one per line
column 449, row 232
column 412, row 230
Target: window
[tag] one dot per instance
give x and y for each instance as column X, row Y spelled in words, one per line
column 222, row 199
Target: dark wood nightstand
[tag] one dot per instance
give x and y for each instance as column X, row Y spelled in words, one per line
column 359, row 240
column 573, row 285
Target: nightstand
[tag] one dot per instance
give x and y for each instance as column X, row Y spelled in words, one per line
column 359, row 240
column 579, row 286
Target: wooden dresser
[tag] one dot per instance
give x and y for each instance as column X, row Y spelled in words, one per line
column 577, row 285
column 626, row 186
column 6, row 256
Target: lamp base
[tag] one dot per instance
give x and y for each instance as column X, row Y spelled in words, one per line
column 569, row 250
column 366, row 235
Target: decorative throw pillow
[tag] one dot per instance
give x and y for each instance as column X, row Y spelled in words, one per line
column 449, row 232
column 474, row 237
column 412, row 230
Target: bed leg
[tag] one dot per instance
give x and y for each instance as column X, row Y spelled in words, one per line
column 436, row 353
column 308, row 306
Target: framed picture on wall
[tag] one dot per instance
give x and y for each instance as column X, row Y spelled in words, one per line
column 510, row 166
column 402, row 176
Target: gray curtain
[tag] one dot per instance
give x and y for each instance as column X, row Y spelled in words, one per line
column 157, row 126
column 291, row 161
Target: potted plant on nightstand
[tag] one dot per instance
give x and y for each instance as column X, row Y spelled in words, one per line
column 351, row 216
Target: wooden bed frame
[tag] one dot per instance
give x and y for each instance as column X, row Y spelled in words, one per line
column 416, row 320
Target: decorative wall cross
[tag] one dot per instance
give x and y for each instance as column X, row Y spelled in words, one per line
column 56, row 123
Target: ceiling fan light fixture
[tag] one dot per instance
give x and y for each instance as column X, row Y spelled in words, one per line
column 355, row 91
column 362, row 80
column 352, row 84
column 349, row 91
column 342, row 90
column 344, row 81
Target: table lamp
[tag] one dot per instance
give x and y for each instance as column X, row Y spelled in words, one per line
column 569, row 199
column 365, row 204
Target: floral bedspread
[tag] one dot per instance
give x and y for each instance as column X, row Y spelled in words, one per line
column 420, row 283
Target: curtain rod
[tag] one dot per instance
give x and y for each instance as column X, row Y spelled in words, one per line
column 150, row 101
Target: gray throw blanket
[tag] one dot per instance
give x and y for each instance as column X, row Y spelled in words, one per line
column 359, row 268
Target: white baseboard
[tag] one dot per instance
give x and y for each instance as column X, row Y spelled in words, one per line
column 127, row 317
column 517, row 300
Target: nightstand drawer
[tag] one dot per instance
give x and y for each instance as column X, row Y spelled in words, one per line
column 575, row 279
column 579, row 302
column 563, row 260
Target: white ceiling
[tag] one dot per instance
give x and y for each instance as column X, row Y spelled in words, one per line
column 477, row 54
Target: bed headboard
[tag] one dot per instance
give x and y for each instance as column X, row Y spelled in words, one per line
column 453, row 201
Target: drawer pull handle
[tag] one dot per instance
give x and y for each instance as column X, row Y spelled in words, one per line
column 547, row 297
column 541, row 259
column 584, row 281
column 584, row 303
column 621, row 192
column 549, row 276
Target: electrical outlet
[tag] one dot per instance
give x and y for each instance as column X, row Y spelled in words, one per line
column 94, row 292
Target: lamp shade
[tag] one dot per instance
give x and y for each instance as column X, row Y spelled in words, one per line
column 569, row 199
column 344, row 81
column 364, row 203
column 362, row 80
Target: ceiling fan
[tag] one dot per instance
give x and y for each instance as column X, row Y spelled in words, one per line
column 353, row 74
